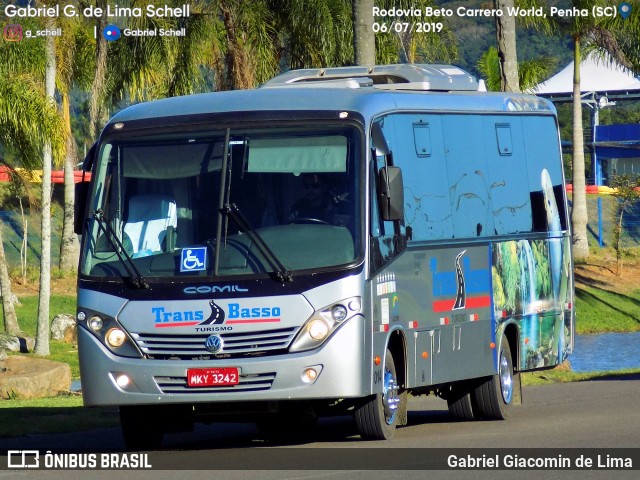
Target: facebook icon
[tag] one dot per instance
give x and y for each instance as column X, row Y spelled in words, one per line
column 193, row 259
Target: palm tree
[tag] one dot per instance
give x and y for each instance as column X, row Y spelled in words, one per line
column 156, row 67
column 44, row 292
column 406, row 45
column 28, row 120
column 530, row 72
column 363, row 37
column 615, row 37
column 313, row 34
column 96, row 98
column 74, row 64
column 506, row 37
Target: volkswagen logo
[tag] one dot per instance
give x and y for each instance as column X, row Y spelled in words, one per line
column 214, row 343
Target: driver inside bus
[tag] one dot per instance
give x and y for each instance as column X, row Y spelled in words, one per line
column 317, row 203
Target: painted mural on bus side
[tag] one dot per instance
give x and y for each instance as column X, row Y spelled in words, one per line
column 530, row 282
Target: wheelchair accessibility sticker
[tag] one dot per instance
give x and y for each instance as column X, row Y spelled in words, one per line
column 193, row 259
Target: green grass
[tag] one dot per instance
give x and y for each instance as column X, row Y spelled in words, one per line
column 52, row 415
column 27, row 318
column 28, row 312
column 599, row 310
column 560, row 375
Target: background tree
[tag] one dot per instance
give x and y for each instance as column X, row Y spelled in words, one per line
column 96, row 98
column 28, row 121
column 506, row 40
column 408, row 46
column 74, row 65
column 27, row 117
column 364, row 43
column 44, row 291
column 311, row 34
column 8, row 309
column 615, row 38
column 627, row 191
column 530, row 72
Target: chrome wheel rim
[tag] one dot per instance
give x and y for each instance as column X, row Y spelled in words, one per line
column 390, row 398
column 506, row 378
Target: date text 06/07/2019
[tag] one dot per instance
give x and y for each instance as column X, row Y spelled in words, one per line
column 401, row 27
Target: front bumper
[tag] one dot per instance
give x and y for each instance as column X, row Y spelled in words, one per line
column 340, row 361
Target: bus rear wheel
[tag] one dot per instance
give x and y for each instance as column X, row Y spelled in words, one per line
column 495, row 395
column 460, row 401
column 377, row 418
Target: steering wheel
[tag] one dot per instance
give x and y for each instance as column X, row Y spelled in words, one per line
column 309, row 220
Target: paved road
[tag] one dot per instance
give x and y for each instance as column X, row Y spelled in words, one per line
column 590, row 415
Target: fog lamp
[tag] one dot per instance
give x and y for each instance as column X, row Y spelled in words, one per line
column 123, row 380
column 309, row 375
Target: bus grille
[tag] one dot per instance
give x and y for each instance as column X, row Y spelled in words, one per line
column 248, row 383
column 236, row 345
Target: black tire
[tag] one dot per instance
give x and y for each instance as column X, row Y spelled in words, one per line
column 140, row 429
column 461, row 402
column 377, row 417
column 495, row 395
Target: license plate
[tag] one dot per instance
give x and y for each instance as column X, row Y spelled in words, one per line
column 212, row 377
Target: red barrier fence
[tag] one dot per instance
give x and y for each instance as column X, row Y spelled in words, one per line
column 596, row 189
column 35, row 176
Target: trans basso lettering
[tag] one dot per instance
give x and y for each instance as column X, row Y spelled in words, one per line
column 236, row 311
column 161, row 315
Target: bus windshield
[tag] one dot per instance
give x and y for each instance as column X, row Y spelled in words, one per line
column 225, row 203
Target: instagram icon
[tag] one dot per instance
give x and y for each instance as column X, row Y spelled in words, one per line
column 13, row 32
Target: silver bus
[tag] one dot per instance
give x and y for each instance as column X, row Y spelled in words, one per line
column 325, row 244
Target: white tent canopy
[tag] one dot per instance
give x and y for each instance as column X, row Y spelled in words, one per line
column 600, row 75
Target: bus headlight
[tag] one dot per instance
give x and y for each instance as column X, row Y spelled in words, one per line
column 339, row 312
column 109, row 332
column 318, row 329
column 115, row 337
column 95, row 323
column 324, row 322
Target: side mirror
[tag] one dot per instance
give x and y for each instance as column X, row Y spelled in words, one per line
column 82, row 192
column 80, row 205
column 391, row 193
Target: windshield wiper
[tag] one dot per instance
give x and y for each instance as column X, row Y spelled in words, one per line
column 281, row 272
column 135, row 277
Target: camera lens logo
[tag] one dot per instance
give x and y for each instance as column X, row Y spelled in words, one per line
column 111, row 33
column 13, row 32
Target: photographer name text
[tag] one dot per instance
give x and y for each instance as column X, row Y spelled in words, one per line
column 91, row 11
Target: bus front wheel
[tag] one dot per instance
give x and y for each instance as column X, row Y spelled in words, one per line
column 377, row 417
column 495, row 395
